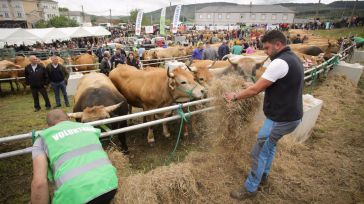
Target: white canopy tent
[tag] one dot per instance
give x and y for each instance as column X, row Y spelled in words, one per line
column 75, row 32
column 97, row 31
column 47, row 35
column 17, row 36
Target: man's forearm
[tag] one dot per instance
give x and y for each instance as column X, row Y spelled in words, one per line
column 249, row 92
column 40, row 193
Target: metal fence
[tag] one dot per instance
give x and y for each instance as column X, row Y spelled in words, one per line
column 326, row 66
column 117, row 119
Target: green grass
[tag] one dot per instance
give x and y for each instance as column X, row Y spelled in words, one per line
column 340, row 32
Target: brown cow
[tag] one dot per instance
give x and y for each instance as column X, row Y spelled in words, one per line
column 159, row 53
column 22, row 61
column 246, row 66
column 97, row 98
column 155, row 88
column 83, row 59
column 49, row 60
column 7, row 71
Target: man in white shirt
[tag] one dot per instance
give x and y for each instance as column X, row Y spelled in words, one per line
column 283, row 86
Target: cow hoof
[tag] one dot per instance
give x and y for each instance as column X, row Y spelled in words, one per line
column 151, row 144
column 185, row 134
column 167, row 134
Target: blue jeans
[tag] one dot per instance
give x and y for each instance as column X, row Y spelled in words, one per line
column 264, row 150
column 60, row 86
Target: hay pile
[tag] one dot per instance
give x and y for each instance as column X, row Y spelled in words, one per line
column 301, row 173
column 202, row 174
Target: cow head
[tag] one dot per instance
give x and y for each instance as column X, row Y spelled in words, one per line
column 183, row 86
column 201, row 74
column 22, row 60
column 94, row 113
column 246, row 66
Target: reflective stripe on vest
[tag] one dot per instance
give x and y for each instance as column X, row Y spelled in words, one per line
column 80, row 170
column 75, row 153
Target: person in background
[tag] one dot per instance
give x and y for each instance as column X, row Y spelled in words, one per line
column 100, row 52
column 197, row 53
column 237, row 49
column 132, row 61
column 223, row 50
column 105, row 65
column 164, row 45
column 245, row 45
column 250, row 49
column 209, row 53
column 36, row 76
column 117, row 58
column 58, row 76
column 282, row 83
column 71, row 155
column 141, row 51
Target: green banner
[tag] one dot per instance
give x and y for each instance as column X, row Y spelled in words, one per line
column 162, row 22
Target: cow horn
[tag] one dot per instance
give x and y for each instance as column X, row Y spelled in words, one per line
column 169, row 74
column 213, row 63
column 226, row 56
column 75, row 115
column 111, row 108
column 231, row 61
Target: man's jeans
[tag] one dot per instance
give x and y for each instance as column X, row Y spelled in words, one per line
column 264, row 150
column 60, row 86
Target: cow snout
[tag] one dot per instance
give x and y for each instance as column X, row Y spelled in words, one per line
column 204, row 92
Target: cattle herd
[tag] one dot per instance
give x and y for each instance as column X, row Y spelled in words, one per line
column 99, row 96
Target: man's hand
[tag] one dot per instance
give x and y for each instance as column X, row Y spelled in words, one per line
column 230, row 96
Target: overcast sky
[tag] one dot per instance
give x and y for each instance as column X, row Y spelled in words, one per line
column 122, row 7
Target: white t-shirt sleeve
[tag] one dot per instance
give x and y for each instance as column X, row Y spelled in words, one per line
column 277, row 69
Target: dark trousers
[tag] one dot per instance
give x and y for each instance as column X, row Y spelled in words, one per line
column 36, row 97
column 60, row 86
column 105, row 198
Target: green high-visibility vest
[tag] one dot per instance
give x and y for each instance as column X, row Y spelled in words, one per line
column 78, row 164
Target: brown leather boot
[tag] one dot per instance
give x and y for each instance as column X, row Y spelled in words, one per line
column 242, row 194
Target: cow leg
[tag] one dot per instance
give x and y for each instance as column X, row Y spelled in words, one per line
column 166, row 132
column 150, row 136
column 17, row 84
column 130, row 108
column 186, row 132
column 11, row 86
column 122, row 137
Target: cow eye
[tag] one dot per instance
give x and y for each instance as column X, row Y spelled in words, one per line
column 201, row 79
column 183, row 82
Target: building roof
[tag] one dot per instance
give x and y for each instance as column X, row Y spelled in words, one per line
column 49, row 1
column 246, row 9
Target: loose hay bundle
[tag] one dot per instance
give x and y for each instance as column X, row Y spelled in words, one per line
column 230, row 119
column 167, row 184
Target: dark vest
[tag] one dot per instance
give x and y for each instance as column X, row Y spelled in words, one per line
column 283, row 99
